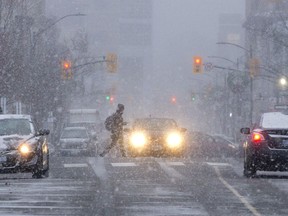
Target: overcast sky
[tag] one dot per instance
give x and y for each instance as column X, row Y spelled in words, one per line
column 181, row 29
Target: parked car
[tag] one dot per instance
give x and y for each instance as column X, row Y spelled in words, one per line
column 266, row 145
column 77, row 141
column 23, row 148
column 156, row 137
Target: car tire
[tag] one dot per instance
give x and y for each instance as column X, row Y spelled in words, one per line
column 249, row 166
column 39, row 171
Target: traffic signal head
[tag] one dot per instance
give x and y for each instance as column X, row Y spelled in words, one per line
column 193, row 97
column 173, row 99
column 197, row 64
column 66, row 67
column 111, row 62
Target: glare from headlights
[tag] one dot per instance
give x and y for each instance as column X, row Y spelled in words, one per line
column 174, row 140
column 138, row 139
column 25, row 149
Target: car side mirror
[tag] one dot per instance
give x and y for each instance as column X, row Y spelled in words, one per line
column 126, row 130
column 183, row 130
column 43, row 132
column 245, row 130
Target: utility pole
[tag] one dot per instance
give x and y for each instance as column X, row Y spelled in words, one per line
column 250, row 52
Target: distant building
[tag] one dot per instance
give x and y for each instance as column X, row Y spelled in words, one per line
column 266, row 34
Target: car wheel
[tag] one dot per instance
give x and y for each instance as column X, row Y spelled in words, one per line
column 39, row 171
column 249, row 166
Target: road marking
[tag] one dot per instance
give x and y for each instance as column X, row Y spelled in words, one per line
column 218, row 164
column 175, row 163
column 170, row 171
column 123, row 164
column 75, row 165
column 37, row 207
column 236, row 193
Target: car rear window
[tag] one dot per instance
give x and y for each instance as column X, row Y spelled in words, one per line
column 274, row 120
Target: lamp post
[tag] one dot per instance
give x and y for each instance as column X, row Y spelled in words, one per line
column 249, row 51
column 41, row 31
column 33, row 52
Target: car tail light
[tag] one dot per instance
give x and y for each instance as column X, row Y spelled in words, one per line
column 257, row 137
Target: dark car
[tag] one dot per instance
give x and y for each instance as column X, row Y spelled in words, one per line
column 266, row 145
column 22, row 147
column 155, row 136
column 77, row 140
column 211, row 145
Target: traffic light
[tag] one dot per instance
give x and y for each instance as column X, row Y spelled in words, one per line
column 173, row 100
column 193, row 97
column 110, row 98
column 66, row 67
column 197, row 64
column 111, row 62
column 254, row 67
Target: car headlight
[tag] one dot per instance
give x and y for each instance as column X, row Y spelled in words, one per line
column 138, row 139
column 25, row 149
column 174, row 140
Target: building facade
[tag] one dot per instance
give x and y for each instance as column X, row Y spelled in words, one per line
column 266, row 33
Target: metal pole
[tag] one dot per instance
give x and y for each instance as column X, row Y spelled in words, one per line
column 251, row 90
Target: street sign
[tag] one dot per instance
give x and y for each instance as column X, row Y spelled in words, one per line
column 281, row 107
column 208, row 66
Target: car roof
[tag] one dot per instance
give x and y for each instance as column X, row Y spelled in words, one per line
column 274, row 120
column 15, row 116
column 75, row 128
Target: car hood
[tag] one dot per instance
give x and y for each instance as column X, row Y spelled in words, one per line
column 157, row 132
column 12, row 141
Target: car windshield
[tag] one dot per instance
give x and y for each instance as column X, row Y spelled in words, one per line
column 74, row 133
column 155, row 124
column 15, row 126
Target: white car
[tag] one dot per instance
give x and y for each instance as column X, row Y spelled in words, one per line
column 23, row 148
column 77, row 140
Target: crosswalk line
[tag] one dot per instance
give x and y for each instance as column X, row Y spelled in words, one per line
column 127, row 164
column 75, row 165
column 217, row 164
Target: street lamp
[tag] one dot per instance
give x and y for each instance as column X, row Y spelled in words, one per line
column 219, row 57
column 36, row 35
column 249, row 51
column 283, row 82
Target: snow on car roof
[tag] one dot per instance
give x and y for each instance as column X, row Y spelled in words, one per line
column 274, row 120
column 75, row 128
column 16, row 116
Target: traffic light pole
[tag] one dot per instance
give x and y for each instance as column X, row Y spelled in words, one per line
column 250, row 52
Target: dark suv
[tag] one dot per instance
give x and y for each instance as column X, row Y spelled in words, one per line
column 266, row 146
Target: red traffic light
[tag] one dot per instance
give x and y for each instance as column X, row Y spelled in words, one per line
column 66, row 64
column 173, row 99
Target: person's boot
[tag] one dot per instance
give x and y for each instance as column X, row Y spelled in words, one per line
column 103, row 153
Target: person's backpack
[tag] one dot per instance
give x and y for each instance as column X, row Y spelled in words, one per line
column 109, row 123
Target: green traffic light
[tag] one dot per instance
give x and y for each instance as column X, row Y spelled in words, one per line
column 107, row 97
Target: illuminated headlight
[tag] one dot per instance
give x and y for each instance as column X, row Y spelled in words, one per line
column 138, row 140
column 174, row 140
column 25, row 149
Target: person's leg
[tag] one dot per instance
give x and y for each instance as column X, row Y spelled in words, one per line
column 121, row 145
column 110, row 146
